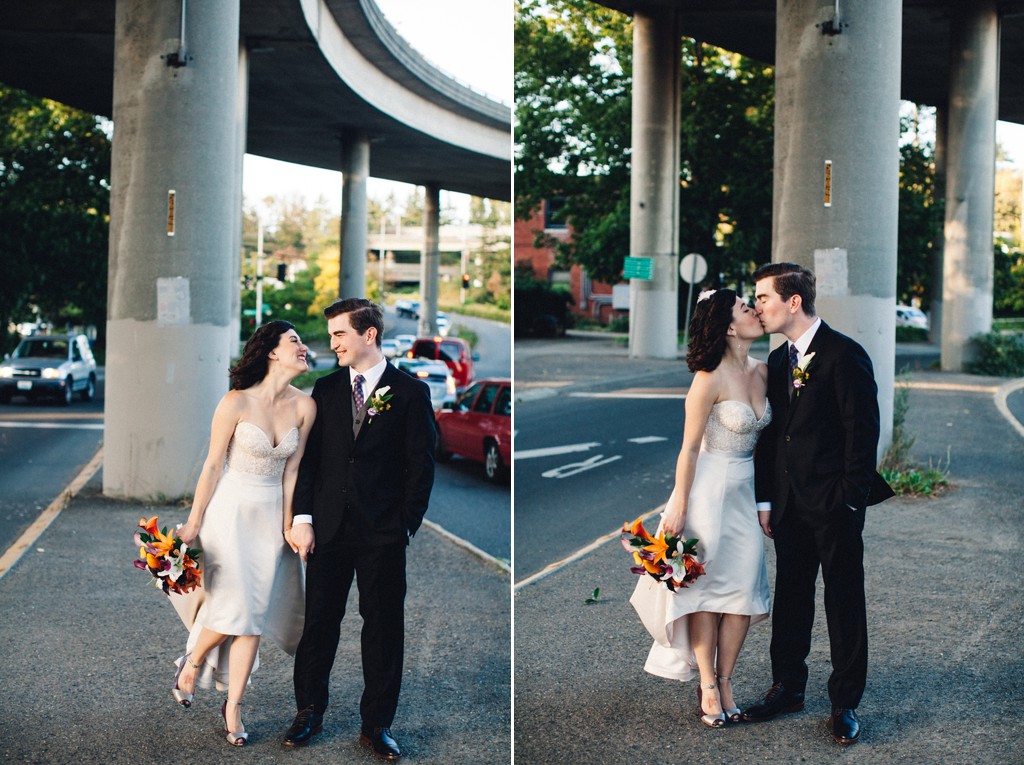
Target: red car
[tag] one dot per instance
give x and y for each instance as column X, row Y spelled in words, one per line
column 453, row 351
column 478, row 426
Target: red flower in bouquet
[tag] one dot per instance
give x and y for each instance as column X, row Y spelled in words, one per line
column 173, row 564
column 669, row 559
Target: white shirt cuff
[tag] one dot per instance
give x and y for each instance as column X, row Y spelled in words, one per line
column 302, row 519
column 764, row 507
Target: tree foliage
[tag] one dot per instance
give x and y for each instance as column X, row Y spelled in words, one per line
column 573, row 104
column 920, row 221
column 54, row 213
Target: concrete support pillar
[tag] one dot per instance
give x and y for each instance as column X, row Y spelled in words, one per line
column 241, row 124
column 654, row 182
column 355, row 169
column 171, row 255
column 429, row 260
column 935, row 304
column 970, row 179
column 836, row 188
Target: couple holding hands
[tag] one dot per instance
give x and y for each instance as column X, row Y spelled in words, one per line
column 785, row 450
column 335, row 483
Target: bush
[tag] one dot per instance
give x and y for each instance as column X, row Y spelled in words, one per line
column 998, row 355
column 911, row 335
column 541, row 310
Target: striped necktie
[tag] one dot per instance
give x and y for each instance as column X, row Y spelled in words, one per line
column 357, row 391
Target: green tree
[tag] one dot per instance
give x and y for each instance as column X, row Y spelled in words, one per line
column 54, row 213
column 920, row 219
column 573, row 82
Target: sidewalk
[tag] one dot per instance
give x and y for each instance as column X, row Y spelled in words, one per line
column 88, row 645
column 945, row 599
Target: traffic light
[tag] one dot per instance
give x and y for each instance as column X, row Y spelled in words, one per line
column 465, row 281
column 282, row 271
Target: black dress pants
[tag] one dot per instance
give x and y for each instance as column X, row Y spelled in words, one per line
column 831, row 540
column 379, row 572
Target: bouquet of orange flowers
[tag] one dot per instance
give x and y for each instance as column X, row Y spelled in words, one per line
column 669, row 559
column 173, row 564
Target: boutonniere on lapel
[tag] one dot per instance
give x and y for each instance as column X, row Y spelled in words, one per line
column 379, row 402
column 800, row 373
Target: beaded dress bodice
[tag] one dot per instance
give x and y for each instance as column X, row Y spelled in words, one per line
column 733, row 426
column 251, row 451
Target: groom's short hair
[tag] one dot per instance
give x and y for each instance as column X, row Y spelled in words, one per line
column 790, row 279
column 363, row 314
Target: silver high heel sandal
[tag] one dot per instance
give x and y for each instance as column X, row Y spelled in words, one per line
column 235, row 739
column 184, row 699
column 712, row 721
column 733, row 714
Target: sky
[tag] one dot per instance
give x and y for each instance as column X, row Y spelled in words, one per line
column 470, row 40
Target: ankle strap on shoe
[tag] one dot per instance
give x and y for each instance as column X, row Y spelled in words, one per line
column 236, row 703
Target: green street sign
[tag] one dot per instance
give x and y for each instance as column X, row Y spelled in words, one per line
column 638, row 268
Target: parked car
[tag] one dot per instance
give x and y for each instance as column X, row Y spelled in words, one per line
column 408, row 308
column 435, row 374
column 49, row 365
column 405, row 343
column 390, row 348
column 478, row 426
column 909, row 316
column 453, row 351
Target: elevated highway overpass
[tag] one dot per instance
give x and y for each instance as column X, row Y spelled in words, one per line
column 191, row 86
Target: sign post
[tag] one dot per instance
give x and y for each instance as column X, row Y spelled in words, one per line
column 692, row 269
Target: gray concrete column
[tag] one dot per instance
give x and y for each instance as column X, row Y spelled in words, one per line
column 170, row 286
column 935, row 307
column 241, row 123
column 355, row 169
column 970, row 179
column 429, row 260
column 654, row 182
column 837, row 114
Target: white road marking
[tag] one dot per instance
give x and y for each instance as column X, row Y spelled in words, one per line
column 553, row 451
column 647, row 439
column 578, row 467
column 68, row 425
column 628, row 394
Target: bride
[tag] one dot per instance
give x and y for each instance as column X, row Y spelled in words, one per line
column 703, row 626
column 242, row 516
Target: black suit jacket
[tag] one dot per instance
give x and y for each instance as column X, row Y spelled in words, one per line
column 372, row 488
column 820, row 449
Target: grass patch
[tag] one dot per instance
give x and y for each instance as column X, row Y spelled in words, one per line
column 906, row 479
column 911, row 335
column 461, row 330
column 477, row 310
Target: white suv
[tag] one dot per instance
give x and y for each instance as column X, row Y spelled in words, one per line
column 49, row 365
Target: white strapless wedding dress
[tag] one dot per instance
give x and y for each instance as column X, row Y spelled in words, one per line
column 253, row 584
column 722, row 514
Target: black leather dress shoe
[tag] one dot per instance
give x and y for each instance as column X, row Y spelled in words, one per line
column 844, row 725
column 307, row 723
column 382, row 743
column 779, row 700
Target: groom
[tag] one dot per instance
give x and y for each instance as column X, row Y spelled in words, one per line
column 361, row 494
column 815, row 472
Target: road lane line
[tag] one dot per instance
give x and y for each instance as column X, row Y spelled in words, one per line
column 553, row 451
column 33, row 532
column 68, row 425
column 1004, row 393
column 647, row 439
column 564, row 471
column 629, row 395
column 466, row 545
column 558, row 565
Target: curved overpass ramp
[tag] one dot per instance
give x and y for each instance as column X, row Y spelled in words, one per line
column 317, row 70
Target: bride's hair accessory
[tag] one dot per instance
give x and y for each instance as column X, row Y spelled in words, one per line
column 705, row 295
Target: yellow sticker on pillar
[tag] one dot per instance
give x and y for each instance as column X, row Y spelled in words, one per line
column 170, row 213
column 828, row 183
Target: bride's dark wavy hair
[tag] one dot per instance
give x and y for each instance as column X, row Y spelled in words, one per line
column 708, row 325
column 253, row 365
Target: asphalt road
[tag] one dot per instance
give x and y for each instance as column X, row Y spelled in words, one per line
column 43, row 446
column 587, row 462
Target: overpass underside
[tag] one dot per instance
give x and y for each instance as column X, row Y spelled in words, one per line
column 191, row 86
column 841, row 69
